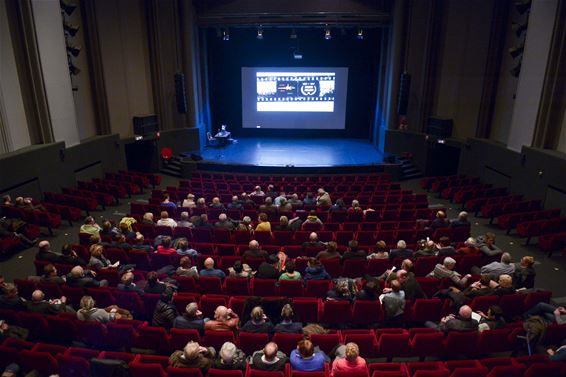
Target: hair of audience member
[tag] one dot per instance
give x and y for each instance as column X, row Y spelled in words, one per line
column 506, row 258
column 96, row 250
column 10, row 290
column 505, row 281
column 465, row 311
column 444, row 241
column 262, row 217
column 184, row 216
column 527, row 261
column 283, row 220
column 257, row 314
column 381, row 246
column 490, row 236
column 353, row 244
column 185, row 262
column 470, row 242
column 87, row 303
column 342, row 287
column 191, row 350
column 49, row 269
column 305, row 348
column 94, row 239
column 152, row 278
column 395, row 285
column 270, row 351
column 340, row 203
column 37, row 295
column 440, row 214
column 463, row 215
column 407, row 265
column 221, row 313
column 183, row 244
column 148, row 216
column 287, row 313
column 127, row 278
column 352, row 351
column 238, row 267
column 495, row 311
column 166, row 242
column 401, row 244
column 253, row 245
column 290, row 266
column 312, row 213
column 272, row 259
column 449, row 262
column 43, row 245
column 268, row 201
column 332, row 246
column 164, row 215
column 89, row 220
column 484, row 279
column 77, row 272
column 227, row 352
column 192, row 309
column 314, row 263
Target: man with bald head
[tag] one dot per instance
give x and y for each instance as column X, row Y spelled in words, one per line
column 269, row 358
column 461, row 322
column 254, row 251
column 38, row 304
column 313, row 241
column 224, row 319
column 79, row 278
column 210, row 271
column 44, row 252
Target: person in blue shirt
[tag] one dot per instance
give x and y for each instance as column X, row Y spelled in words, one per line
column 306, row 359
column 167, row 203
column 210, row 271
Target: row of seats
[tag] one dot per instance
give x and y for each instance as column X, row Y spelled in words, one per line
column 450, row 192
column 511, row 220
column 465, row 195
column 550, row 243
column 79, row 201
column 206, row 177
column 492, row 211
column 440, row 183
column 40, row 218
column 154, row 179
column 103, row 199
column 475, row 205
column 541, row 227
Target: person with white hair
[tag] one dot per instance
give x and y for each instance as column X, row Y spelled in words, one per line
column 210, row 271
column 184, row 222
column 258, row 323
column 323, row 198
column 494, row 269
column 470, row 247
column 190, row 319
column 230, row 358
column 79, row 278
column 235, row 203
column 39, row 304
column 461, row 322
column 401, row 251
column 257, row 191
column 193, row 356
column 224, row 222
column 246, row 224
column 446, row 270
column 45, row 253
column 89, row 312
column 254, row 251
column 189, row 202
column 313, row 241
column 461, row 221
column 224, row 320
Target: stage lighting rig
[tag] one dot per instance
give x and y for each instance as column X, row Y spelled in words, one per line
column 259, row 33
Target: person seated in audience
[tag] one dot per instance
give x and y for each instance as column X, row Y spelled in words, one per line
column 425, row 248
column 551, row 313
column 312, row 219
column 269, row 268
column 119, row 242
column 203, row 222
column 494, row 269
column 306, row 359
column 126, row 231
column 240, row 270
column 493, row 320
column 10, row 229
column 379, row 251
column 153, row 285
column 254, row 251
column 201, row 203
column 89, row 312
column 184, row 249
column 287, row 325
column 264, row 225
column 28, row 204
column 165, row 220
column 409, row 282
column 401, row 251
column 165, row 247
column 184, row 222
column 504, row 286
column 257, row 191
column 44, row 252
column 127, row 284
column 287, row 225
column 245, row 200
column 446, row 270
column 267, row 206
column 39, row 304
column 461, row 322
column 393, row 301
column 330, row 252
column 139, row 244
column 309, row 199
column 344, row 290
column 461, row 221
column 108, row 229
column 313, row 241
column 10, row 299
column 193, row 356
column 70, row 257
column 338, row 206
column 290, row 273
column 440, row 221
column 280, row 198
column 210, row 271
column 481, row 287
column 216, row 203
column 224, row 319
column 258, row 323
column 50, row 275
column 189, row 202
column 348, row 360
column 557, row 354
column 316, row 271
column 99, row 261
column 190, row 319
column 79, row 278
column 469, row 247
column 271, row 191
column 186, row 269
column 167, row 202
column 524, row 274
column 147, row 218
column 230, row 358
column 445, row 249
column 7, row 201
column 90, row 226
column 355, row 207
column 285, row 206
column 370, row 291
column 487, row 245
column 323, row 198
column 15, row 332
column 165, row 312
column 295, row 201
column 269, row 359
column 246, row 224
column 235, row 203
column 353, row 252
column 224, row 222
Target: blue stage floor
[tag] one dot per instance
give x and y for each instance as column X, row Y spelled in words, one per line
column 296, row 152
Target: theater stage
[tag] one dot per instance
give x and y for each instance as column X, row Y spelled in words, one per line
column 299, row 153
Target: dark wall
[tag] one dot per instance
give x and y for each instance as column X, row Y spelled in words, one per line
column 226, row 58
column 50, row 167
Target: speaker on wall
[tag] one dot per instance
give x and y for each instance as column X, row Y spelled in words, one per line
column 180, row 94
column 403, row 98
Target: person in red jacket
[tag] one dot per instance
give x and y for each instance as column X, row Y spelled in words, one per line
column 349, row 361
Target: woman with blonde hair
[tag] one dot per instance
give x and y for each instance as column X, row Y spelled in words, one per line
column 348, row 360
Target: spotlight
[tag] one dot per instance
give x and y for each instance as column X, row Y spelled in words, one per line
column 74, row 50
column 327, row 34
column 259, row 32
column 73, row 69
column 523, row 6
column 67, row 7
column 226, row 34
column 360, row 34
column 297, row 54
column 516, row 70
column 293, row 34
column 519, row 28
column 516, row 51
column 71, row 29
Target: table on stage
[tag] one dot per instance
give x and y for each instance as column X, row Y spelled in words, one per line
column 223, row 137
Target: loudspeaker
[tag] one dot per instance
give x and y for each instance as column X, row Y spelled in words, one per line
column 145, row 124
column 439, row 128
column 403, row 98
column 180, row 94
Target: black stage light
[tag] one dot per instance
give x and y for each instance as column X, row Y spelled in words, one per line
column 74, row 50
column 71, row 29
column 519, row 28
column 74, row 69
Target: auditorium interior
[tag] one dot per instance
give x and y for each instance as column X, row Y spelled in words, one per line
column 263, row 188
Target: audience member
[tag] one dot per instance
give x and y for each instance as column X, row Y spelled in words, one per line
column 257, row 192
column 246, row 224
column 127, row 284
column 70, row 257
column 165, row 247
column 44, row 252
column 312, row 222
column 504, row 286
column 230, row 358
column 440, row 221
column 313, row 241
column 184, row 222
column 184, row 249
column 147, row 218
column 461, row 221
column 189, row 202
column 481, row 287
column 309, row 199
column 551, row 313
column 202, row 222
column 90, row 226
column 267, row 206
column 217, row 204
column 487, row 245
column 323, row 198
column 331, row 251
column 79, row 278
column 344, row 290
column 89, row 312
column 425, row 248
column 193, row 356
column 224, row 223
column 97, row 259
column 165, row 312
column 167, row 203
column 119, row 242
column 348, row 360
column 165, row 220
column 306, row 359
column 139, row 244
column 269, row 359
column 210, row 271
column 316, row 271
column 401, row 251
column 338, row 206
column 290, row 273
column 10, row 298
column 355, row 207
column 287, row 325
column 409, row 282
column 235, row 203
column 224, row 319
column 153, row 285
column 240, row 270
column 493, row 320
column 353, row 252
column 258, row 323
column 461, row 322
column 524, row 274
column 445, row 249
column 190, row 319
column 494, row 269
column 264, row 225
column 186, row 269
column 254, row 251
column 50, row 275
column 268, row 269
column 446, row 270
column 370, row 290
column 295, row 201
column 380, row 251
column 39, row 304
column 271, row 191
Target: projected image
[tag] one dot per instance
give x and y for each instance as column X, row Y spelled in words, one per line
column 295, row 91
